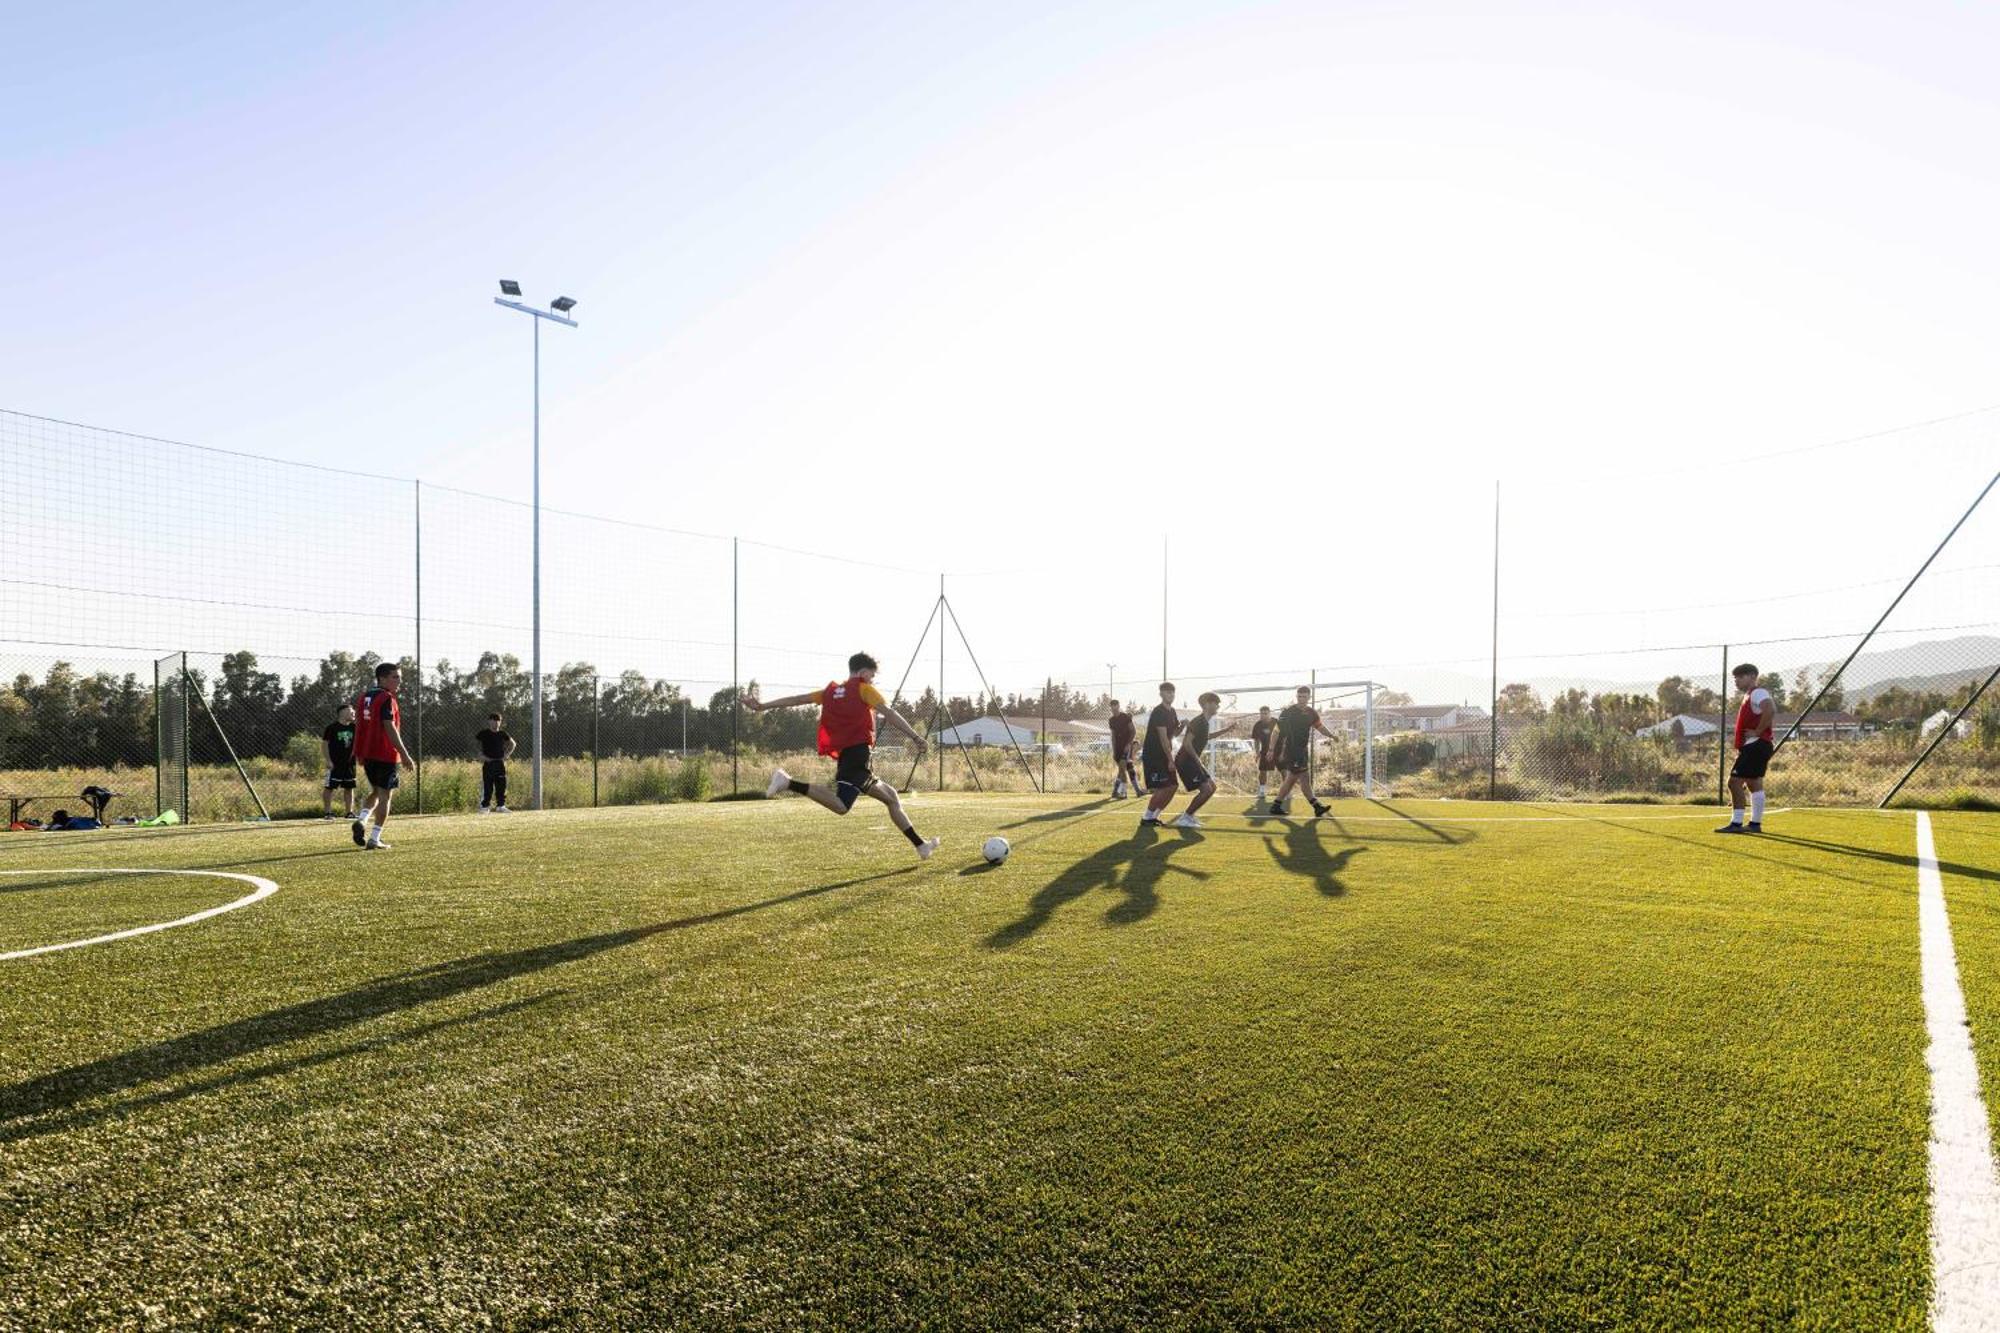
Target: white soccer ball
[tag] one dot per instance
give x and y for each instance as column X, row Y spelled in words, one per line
column 996, row 849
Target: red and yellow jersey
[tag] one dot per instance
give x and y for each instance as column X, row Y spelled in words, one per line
column 847, row 711
column 375, row 711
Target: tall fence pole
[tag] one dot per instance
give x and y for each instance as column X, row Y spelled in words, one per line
column 596, row 685
column 1047, row 685
column 419, row 495
column 941, row 703
column 735, row 672
column 1493, row 723
column 1722, row 730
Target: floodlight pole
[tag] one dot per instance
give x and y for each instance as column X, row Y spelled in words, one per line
column 536, row 664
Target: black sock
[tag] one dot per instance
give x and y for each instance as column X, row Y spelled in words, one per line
column 802, row 788
column 915, row 839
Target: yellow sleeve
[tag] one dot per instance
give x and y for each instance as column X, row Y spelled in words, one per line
column 873, row 697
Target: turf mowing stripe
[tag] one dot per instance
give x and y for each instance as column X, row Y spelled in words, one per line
column 262, row 888
column 1965, row 1195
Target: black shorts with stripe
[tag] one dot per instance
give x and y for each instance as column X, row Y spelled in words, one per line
column 851, row 774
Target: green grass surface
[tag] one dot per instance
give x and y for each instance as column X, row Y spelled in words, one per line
column 748, row 1065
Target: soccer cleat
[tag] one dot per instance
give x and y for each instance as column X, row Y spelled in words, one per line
column 1117, row 791
column 360, row 832
column 1753, row 827
column 1187, row 821
column 1730, row 828
column 1149, row 816
column 502, row 810
column 377, row 845
column 780, row 780
column 926, row 847
column 1319, row 811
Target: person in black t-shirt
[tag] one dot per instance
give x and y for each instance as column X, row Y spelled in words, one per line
column 1121, row 752
column 1263, row 739
column 1296, row 726
column 1187, row 764
column 494, row 746
column 1156, row 754
column 338, row 743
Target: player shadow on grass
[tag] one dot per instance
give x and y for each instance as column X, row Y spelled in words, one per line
column 1144, row 861
column 1067, row 812
column 1908, row 859
column 65, row 1089
column 1440, row 834
column 1306, row 856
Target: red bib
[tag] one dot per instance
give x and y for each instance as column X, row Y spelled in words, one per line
column 1744, row 717
column 844, row 717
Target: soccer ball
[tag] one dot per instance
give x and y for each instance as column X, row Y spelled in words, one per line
column 996, row 849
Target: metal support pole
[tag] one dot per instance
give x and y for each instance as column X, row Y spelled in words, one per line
column 1828, row 684
column 1943, row 732
column 735, row 669
column 1722, row 731
column 595, row 685
column 1165, row 550
column 535, row 782
column 1048, row 684
column 1493, row 721
column 419, row 719
column 159, row 745
column 1312, row 745
column 1368, row 752
column 942, row 707
column 684, row 728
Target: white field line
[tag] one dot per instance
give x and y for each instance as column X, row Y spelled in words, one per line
column 260, row 888
column 1131, row 808
column 1965, row 1194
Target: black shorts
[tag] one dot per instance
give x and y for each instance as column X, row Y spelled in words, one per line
column 1192, row 774
column 381, row 773
column 1295, row 761
column 340, row 777
column 851, row 775
column 1266, row 761
column 1752, row 760
column 1157, row 771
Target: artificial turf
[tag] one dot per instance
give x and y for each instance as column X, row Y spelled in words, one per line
column 747, row 1065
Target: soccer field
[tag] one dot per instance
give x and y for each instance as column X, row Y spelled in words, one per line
column 744, row 1064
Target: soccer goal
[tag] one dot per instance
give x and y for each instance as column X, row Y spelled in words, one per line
column 1344, row 766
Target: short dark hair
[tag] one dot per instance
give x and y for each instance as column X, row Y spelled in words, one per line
column 1263, row 708
column 861, row 662
column 1746, row 669
column 386, row 669
column 1305, row 690
column 1166, row 685
column 1209, row 697
column 492, row 717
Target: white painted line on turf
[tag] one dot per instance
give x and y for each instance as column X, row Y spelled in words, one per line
column 1965, row 1193
column 260, row 888
column 1132, row 809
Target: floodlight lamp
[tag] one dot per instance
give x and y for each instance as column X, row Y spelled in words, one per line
column 509, row 287
column 562, row 305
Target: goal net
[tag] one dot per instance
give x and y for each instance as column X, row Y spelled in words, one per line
column 1344, row 765
column 170, row 735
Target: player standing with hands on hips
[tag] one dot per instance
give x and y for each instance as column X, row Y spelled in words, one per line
column 1754, row 719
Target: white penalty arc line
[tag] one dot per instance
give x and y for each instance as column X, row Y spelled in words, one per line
column 261, row 888
column 1965, row 1194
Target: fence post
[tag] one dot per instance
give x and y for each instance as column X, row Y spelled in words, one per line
column 1722, row 731
column 735, row 682
column 419, row 756
column 1047, row 685
column 595, row 684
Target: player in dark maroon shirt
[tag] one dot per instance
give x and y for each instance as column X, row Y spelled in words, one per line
column 1122, row 733
column 1263, row 739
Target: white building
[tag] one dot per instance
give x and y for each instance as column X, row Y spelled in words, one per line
column 1943, row 715
column 1682, row 726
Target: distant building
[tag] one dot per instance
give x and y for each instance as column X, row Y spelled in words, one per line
column 1353, row 722
column 1828, row 725
column 1960, row 730
column 1462, row 740
column 1682, row 726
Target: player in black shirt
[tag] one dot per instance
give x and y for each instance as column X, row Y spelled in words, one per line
column 1296, row 726
column 338, row 742
column 495, row 745
column 1156, row 754
column 1121, row 753
column 1262, row 734
column 1187, row 764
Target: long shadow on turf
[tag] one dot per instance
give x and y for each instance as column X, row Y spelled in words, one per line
column 1140, row 883
column 1440, row 834
column 1305, row 855
column 1067, row 812
column 1893, row 858
column 1737, row 845
column 65, row 1088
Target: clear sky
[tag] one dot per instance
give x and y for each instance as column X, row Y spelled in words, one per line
column 1015, row 290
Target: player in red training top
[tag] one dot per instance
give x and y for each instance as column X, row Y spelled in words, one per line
column 1754, row 719
column 378, row 744
column 1123, row 730
column 847, row 712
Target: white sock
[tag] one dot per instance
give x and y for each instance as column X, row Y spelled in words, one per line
column 1736, row 815
column 1756, row 807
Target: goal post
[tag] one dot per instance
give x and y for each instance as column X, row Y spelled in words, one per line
column 1342, row 696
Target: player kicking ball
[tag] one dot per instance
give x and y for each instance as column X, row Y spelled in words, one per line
column 847, row 711
column 1187, row 764
column 1296, row 725
column 1754, row 719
